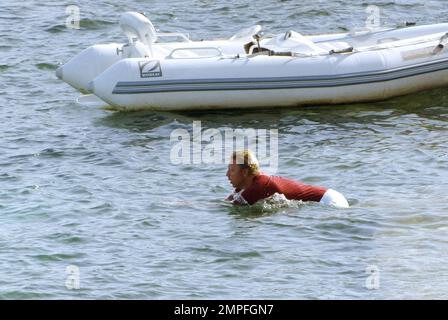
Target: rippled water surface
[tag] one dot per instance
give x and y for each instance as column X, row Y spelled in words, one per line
column 86, row 187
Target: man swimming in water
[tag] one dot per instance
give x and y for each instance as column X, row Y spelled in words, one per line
column 251, row 185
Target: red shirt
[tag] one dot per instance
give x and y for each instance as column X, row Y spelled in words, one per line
column 264, row 186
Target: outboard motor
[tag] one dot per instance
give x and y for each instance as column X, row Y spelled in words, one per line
column 137, row 27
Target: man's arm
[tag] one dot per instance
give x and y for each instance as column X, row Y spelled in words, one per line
column 237, row 199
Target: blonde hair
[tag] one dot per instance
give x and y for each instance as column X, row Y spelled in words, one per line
column 247, row 160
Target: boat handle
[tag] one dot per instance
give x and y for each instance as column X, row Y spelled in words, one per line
column 219, row 52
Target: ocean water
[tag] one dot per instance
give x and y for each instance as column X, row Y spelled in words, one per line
column 92, row 208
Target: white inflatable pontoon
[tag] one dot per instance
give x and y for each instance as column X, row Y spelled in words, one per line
column 249, row 70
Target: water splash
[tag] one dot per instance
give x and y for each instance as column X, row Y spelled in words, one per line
column 277, row 202
column 274, row 204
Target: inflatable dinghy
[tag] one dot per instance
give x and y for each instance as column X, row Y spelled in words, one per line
column 250, row 70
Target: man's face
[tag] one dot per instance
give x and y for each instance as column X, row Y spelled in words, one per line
column 236, row 175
